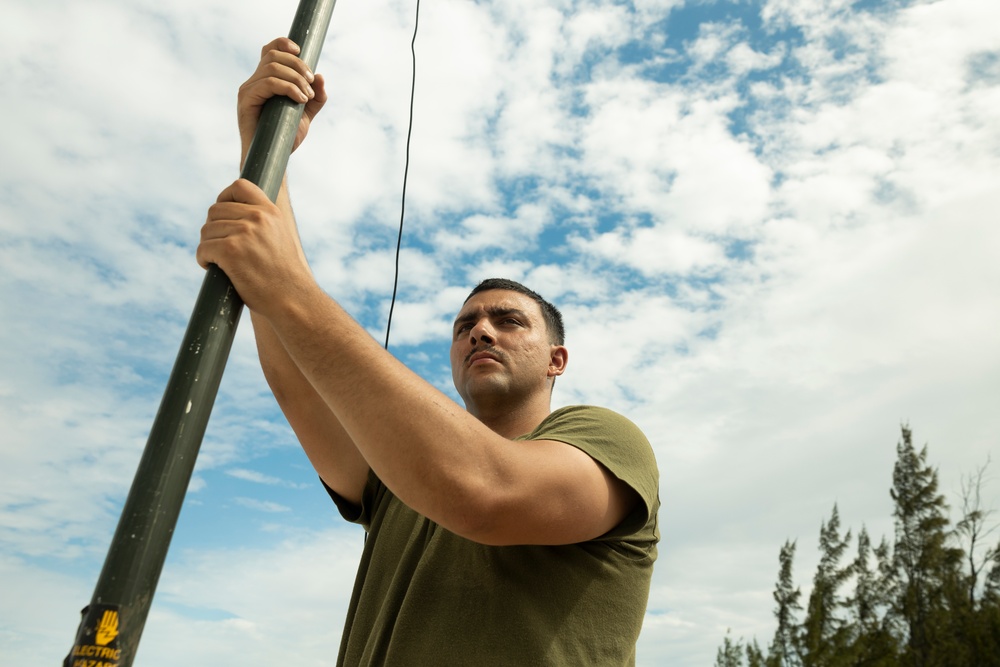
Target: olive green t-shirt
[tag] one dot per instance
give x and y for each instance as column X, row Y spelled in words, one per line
column 425, row 596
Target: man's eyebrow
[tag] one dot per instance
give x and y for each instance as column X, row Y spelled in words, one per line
column 493, row 311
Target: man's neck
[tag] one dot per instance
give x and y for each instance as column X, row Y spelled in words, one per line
column 511, row 422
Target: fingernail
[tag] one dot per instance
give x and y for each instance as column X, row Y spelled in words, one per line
column 310, row 92
column 310, row 77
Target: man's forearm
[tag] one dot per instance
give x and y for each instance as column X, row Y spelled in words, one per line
column 329, row 448
column 323, row 439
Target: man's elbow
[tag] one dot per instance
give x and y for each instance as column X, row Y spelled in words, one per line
column 479, row 515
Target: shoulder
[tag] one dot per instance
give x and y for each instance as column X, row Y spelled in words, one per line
column 592, row 423
column 612, row 440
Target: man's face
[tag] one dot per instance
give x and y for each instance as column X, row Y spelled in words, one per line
column 500, row 348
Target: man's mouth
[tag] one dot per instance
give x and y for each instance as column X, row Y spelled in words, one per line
column 490, row 354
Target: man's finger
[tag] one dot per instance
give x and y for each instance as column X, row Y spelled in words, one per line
column 294, row 65
column 213, row 247
column 278, row 78
column 221, row 222
column 205, row 254
column 244, row 192
column 280, row 44
column 319, row 98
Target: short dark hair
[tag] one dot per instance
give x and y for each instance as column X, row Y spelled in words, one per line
column 553, row 318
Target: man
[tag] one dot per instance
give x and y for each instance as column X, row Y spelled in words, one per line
column 503, row 534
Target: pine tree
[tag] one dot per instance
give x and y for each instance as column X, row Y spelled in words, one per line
column 924, row 565
column 730, row 654
column 784, row 651
column 931, row 599
column 755, row 657
column 988, row 616
column 991, row 591
column 871, row 641
column 824, row 636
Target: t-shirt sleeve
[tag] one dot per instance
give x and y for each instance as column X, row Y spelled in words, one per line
column 359, row 514
column 616, row 443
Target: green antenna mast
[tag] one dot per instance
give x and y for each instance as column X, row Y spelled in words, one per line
column 112, row 623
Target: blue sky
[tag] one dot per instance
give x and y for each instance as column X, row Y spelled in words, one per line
column 770, row 225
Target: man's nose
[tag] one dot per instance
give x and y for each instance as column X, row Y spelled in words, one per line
column 482, row 332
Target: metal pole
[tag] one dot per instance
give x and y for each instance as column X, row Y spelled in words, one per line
column 112, row 624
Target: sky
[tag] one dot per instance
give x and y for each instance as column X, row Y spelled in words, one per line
column 771, row 226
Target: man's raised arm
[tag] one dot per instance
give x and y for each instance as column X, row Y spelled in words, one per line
column 320, row 433
column 353, row 405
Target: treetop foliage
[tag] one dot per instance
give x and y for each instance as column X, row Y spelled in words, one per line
column 930, row 598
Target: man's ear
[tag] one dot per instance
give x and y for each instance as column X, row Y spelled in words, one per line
column 558, row 358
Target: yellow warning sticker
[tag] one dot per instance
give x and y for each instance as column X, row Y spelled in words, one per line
column 107, row 628
column 98, row 645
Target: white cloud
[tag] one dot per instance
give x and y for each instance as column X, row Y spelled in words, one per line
column 258, row 477
column 479, row 232
column 742, row 58
column 667, row 151
column 427, row 319
column 657, row 250
column 262, row 505
column 714, row 40
column 595, row 28
column 859, row 186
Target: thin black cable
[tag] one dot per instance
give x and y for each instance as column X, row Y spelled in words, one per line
column 406, row 171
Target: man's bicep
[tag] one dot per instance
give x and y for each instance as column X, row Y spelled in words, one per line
column 329, row 448
column 562, row 496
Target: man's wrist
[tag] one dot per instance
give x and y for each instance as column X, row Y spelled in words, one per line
column 297, row 305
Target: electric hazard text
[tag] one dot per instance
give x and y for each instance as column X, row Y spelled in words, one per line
column 96, row 656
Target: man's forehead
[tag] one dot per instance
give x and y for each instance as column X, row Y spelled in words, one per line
column 493, row 301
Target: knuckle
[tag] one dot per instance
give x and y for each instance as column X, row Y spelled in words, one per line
column 256, row 216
